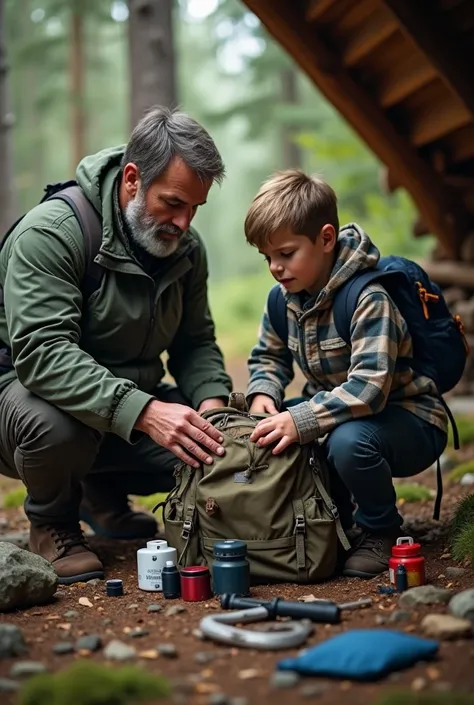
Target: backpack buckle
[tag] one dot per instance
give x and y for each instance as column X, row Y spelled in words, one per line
column 300, row 525
column 334, row 511
column 187, row 528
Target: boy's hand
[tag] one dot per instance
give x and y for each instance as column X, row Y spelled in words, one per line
column 263, row 404
column 277, row 428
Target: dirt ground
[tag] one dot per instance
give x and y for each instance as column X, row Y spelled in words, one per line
column 241, row 672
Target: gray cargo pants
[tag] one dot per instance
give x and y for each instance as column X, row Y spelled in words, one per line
column 52, row 453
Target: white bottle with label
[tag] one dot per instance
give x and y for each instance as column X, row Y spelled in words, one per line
column 150, row 562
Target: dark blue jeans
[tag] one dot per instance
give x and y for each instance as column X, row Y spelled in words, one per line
column 366, row 453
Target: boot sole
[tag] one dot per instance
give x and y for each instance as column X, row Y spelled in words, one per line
column 360, row 574
column 81, row 577
column 103, row 533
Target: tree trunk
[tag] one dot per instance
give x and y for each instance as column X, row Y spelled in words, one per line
column 77, row 71
column 6, row 122
column 291, row 154
column 152, row 62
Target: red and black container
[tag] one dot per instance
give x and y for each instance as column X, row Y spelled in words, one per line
column 408, row 554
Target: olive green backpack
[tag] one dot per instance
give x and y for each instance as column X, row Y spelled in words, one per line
column 278, row 504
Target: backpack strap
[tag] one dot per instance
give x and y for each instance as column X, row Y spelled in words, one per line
column 91, row 226
column 276, row 307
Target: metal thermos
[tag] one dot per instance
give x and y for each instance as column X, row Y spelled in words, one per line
column 195, row 583
column 230, row 568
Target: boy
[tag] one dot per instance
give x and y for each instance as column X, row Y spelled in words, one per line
column 383, row 420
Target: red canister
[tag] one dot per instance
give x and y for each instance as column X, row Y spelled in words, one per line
column 195, row 583
column 408, row 553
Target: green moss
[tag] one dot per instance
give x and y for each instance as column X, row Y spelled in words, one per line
column 463, row 515
column 411, row 492
column 407, row 697
column 88, row 683
column 14, row 498
column 465, row 425
column 463, row 544
column 460, row 470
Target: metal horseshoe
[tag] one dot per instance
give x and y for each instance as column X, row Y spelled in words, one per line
column 285, row 635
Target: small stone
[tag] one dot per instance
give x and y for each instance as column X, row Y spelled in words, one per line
column 204, row 657
column 313, row 690
column 443, row 626
column 95, row 581
column 380, row 619
column 106, row 622
column 118, row 651
column 455, row 572
column 284, row 679
column 445, row 555
column 307, row 598
column 90, row 642
column 198, row 634
column 8, row 686
column 462, row 605
column 218, row 699
column 168, row 650
column 85, row 602
column 62, row 648
column 419, row 684
column 71, row 614
column 154, row 608
column 174, row 610
column 399, row 616
column 467, row 479
column 26, row 669
column 137, row 633
column 148, row 654
column 12, row 642
column 133, row 606
column 424, row 595
column 249, row 673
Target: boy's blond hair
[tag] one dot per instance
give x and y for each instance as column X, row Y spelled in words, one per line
column 291, row 199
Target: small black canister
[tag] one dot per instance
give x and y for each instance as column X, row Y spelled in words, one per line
column 171, row 581
column 230, row 569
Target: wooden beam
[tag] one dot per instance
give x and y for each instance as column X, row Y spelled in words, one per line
column 420, row 21
column 372, row 32
column 403, row 81
column 434, row 121
column 439, row 207
column 449, row 273
column 317, row 8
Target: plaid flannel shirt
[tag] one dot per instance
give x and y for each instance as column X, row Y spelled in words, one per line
column 348, row 381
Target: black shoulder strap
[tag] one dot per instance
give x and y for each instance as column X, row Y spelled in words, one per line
column 91, row 226
column 276, row 308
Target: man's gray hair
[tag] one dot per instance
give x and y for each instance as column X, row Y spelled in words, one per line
column 163, row 134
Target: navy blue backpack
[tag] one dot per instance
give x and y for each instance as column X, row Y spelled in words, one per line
column 440, row 349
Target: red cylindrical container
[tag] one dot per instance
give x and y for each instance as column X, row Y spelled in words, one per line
column 408, row 553
column 195, row 583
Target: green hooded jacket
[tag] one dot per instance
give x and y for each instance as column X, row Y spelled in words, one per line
column 101, row 362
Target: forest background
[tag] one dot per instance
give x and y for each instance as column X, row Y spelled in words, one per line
column 81, row 72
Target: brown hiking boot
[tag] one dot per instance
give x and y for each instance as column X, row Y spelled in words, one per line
column 110, row 515
column 66, row 548
column 370, row 554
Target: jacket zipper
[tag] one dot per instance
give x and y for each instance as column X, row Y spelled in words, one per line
column 151, row 326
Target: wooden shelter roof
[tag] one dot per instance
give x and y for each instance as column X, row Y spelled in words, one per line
column 401, row 72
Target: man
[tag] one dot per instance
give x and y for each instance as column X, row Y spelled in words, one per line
column 85, row 418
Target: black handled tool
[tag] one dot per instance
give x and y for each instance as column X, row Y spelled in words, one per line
column 323, row 611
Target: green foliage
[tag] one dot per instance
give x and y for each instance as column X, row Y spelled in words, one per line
column 407, row 697
column 463, row 544
column 14, row 498
column 88, row 683
column 411, row 492
column 150, row 502
column 465, row 425
column 463, row 516
column 460, row 470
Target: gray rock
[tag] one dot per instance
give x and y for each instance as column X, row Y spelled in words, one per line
column 284, row 679
column 8, row 686
column 454, row 572
column 26, row 669
column 198, row 634
column 17, row 538
column 218, row 699
column 71, row 614
column 380, row 619
column 12, row 642
column 467, row 479
column 174, row 610
column 399, row 616
column 118, row 651
column 154, row 608
column 89, row 642
column 444, row 626
column 168, row 650
column 25, row 578
column 137, row 633
column 133, row 606
column 462, row 605
column 204, row 657
column 106, row 621
column 313, row 690
column 62, row 648
column 424, row 595
column 95, row 581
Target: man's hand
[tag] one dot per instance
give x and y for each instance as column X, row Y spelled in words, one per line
column 263, row 404
column 277, row 428
column 210, row 404
column 181, row 430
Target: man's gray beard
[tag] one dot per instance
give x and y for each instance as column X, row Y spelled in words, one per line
column 146, row 233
